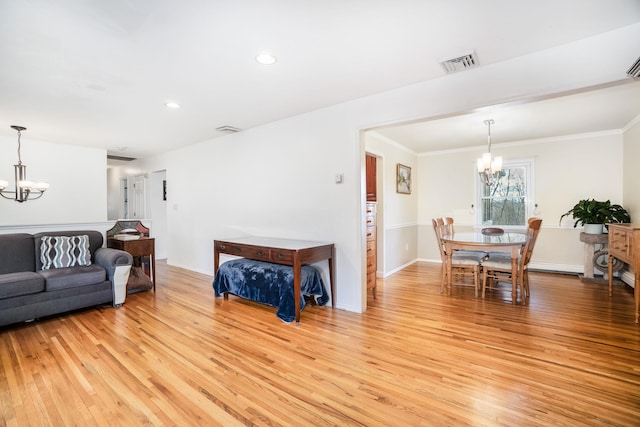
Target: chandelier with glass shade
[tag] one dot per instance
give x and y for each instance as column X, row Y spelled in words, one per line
column 489, row 167
column 24, row 189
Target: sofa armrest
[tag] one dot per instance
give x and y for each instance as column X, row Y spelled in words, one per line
column 109, row 259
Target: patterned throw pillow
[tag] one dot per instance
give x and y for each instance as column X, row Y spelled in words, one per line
column 64, row 251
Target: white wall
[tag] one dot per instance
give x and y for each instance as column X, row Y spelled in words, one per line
column 158, row 212
column 631, row 170
column 114, row 205
column 277, row 180
column 631, row 178
column 77, row 179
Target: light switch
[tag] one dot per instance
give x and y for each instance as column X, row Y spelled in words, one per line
column 339, row 178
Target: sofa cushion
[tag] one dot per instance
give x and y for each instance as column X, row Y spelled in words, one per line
column 17, row 253
column 21, row 283
column 70, row 277
column 96, row 241
column 64, row 251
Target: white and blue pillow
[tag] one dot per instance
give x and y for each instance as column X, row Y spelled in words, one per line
column 64, row 251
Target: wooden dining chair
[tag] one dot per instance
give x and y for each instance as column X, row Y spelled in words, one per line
column 450, row 229
column 467, row 262
column 448, row 225
column 497, row 267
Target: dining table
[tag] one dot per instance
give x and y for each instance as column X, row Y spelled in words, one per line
column 507, row 242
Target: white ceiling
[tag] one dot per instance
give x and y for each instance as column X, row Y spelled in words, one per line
column 97, row 73
column 602, row 109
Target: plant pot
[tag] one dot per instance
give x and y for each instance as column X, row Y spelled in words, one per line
column 593, row 228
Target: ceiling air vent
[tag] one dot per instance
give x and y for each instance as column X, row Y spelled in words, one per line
column 227, row 129
column 120, row 158
column 460, row 63
column 634, row 71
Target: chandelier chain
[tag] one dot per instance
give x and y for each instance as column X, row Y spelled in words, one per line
column 19, row 157
column 489, row 167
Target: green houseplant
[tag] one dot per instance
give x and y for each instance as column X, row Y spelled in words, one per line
column 587, row 212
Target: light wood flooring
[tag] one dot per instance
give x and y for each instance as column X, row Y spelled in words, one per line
column 416, row 357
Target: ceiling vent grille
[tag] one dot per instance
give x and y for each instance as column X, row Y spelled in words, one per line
column 120, row 158
column 634, row 71
column 228, row 129
column 460, row 63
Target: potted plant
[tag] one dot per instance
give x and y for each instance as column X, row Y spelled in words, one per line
column 593, row 214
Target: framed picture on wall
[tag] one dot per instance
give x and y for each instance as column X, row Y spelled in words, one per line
column 403, row 179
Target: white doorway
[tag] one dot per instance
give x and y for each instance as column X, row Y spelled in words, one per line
column 137, row 201
column 123, row 211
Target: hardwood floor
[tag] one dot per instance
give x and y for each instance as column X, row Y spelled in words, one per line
column 416, row 357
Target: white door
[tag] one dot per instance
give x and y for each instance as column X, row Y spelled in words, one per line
column 137, row 202
column 123, row 212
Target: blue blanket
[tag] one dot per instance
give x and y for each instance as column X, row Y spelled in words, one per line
column 270, row 284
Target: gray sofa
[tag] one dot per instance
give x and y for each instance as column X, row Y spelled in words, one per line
column 70, row 278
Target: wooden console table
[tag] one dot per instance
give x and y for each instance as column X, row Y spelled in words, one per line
column 279, row 251
column 624, row 244
column 141, row 246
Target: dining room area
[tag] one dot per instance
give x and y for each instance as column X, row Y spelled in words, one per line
column 546, row 168
column 491, row 256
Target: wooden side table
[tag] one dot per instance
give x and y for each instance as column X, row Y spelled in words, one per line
column 624, row 244
column 143, row 246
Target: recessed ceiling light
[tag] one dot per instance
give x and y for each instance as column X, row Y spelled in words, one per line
column 266, row 59
column 172, row 105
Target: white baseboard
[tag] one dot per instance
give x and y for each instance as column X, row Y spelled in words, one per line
column 382, row 275
column 557, row 268
column 627, row 277
column 190, row 268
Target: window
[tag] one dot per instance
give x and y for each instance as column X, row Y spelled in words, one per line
column 507, row 202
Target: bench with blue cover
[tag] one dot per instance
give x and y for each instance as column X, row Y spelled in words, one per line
column 270, row 284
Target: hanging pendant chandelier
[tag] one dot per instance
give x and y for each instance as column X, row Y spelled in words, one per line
column 489, row 167
column 24, row 189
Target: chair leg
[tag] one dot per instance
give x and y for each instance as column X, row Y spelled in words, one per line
column 484, row 281
column 476, row 274
column 520, row 288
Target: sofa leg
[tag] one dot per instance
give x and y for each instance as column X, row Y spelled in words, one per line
column 120, row 278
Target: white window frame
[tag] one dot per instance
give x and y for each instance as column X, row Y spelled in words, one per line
column 529, row 202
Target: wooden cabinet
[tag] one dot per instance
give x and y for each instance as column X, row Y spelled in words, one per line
column 624, row 244
column 139, row 247
column 370, row 221
column 372, row 193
